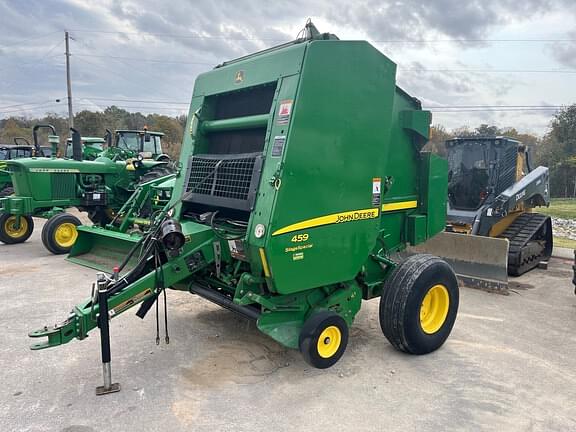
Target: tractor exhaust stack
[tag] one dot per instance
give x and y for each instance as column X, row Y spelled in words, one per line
column 76, row 145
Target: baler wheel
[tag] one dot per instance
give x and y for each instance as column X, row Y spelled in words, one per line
column 59, row 233
column 323, row 339
column 419, row 304
column 9, row 234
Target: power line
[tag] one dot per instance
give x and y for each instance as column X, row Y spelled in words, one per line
column 29, row 108
column 131, row 67
column 139, row 107
column 566, row 71
column 134, row 100
column 143, row 59
column 22, row 104
column 497, row 106
column 415, row 41
column 29, row 39
column 467, row 110
column 153, row 60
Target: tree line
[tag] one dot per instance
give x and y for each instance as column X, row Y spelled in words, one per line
column 95, row 123
column 556, row 149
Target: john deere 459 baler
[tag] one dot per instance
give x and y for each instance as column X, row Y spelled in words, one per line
column 302, row 176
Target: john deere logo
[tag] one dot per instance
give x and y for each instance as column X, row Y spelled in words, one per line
column 239, row 77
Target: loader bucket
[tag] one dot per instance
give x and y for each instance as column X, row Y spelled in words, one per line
column 479, row 262
column 101, row 249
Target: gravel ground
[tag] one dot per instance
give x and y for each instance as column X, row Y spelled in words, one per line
column 509, row 365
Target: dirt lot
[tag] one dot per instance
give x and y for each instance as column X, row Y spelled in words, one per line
column 510, row 364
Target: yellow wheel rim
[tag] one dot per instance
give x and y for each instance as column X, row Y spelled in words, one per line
column 329, row 342
column 11, row 230
column 65, row 235
column 434, row 309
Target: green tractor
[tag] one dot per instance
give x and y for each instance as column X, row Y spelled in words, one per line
column 302, row 178
column 123, row 144
column 11, row 152
column 21, row 149
column 144, row 143
column 92, row 148
column 47, row 187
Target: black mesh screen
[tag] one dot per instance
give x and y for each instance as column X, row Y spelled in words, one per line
column 229, row 181
column 241, row 103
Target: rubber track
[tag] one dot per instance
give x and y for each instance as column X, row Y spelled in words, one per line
column 525, row 252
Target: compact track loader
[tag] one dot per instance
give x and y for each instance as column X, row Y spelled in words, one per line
column 492, row 192
column 302, row 176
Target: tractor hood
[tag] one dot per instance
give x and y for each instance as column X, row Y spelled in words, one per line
column 43, row 165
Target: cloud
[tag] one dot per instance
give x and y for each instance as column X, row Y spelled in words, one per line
column 211, row 31
column 565, row 52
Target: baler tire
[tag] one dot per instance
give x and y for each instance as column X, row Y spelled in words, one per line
column 419, row 304
column 9, row 237
column 51, row 233
column 326, row 328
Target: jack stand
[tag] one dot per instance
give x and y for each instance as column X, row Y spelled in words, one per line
column 103, row 323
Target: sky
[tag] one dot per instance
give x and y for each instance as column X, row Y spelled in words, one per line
column 501, row 62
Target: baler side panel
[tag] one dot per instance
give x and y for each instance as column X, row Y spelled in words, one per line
column 340, row 123
column 434, row 192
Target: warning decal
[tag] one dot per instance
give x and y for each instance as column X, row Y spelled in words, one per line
column 376, row 194
column 284, row 111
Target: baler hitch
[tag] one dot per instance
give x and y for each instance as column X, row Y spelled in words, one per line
column 58, row 335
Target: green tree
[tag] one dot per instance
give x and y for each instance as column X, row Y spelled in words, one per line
column 558, row 153
column 12, row 128
column 438, row 136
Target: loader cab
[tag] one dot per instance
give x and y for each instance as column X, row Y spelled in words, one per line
column 148, row 144
column 479, row 169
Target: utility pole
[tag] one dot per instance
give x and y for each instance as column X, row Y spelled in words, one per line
column 68, row 83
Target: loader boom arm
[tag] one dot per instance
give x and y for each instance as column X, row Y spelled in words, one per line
column 532, row 190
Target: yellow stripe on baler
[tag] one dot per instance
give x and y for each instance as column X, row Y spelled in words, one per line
column 335, row 218
column 402, row 205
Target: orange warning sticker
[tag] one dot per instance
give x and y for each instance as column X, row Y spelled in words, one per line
column 284, row 111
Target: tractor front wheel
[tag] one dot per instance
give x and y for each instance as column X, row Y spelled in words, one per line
column 419, row 304
column 323, row 339
column 59, row 233
column 12, row 232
